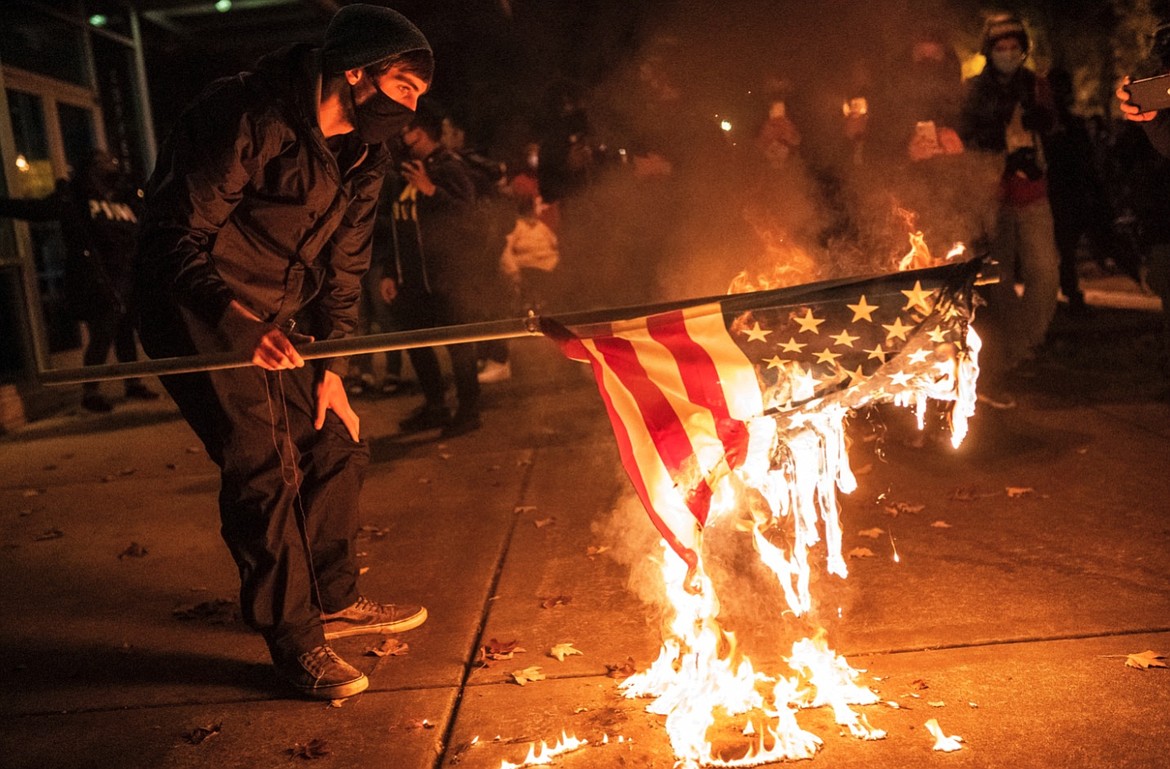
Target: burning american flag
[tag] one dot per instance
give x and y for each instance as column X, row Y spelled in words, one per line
column 687, row 389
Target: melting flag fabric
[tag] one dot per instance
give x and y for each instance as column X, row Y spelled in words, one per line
column 683, row 386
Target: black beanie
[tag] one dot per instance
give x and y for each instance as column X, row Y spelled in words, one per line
column 1004, row 25
column 359, row 35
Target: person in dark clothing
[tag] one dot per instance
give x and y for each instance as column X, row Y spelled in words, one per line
column 1080, row 208
column 259, row 215
column 1007, row 111
column 1154, row 188
column 97, row 210
column 425, row 279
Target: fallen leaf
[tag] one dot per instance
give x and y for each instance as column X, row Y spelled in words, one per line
column 540, row 524
column 940, row 525
column 524, row 509
column 200, row 734
column 314, row 748
column 133, row 550
column 1015, row 492
column 937, row 704
column 560, row 651
column 363, row 570
column 555, row 600
column 899, row 508
column 969, row 494
column 596, row 550
column 873, row 533
column 622, row 669
column 30, row 493
column 49, row 534
column 444, row 455
column 920, row 684
column 501, row 650
column 219, row 611
column 526, row 675
column 194, row 450
column 860, row 552
column 1145, row 660
column 125, row 471
column 389, row 647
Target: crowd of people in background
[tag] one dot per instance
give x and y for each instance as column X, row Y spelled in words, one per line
column 639, row 194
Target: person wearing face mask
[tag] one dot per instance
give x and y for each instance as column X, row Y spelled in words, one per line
column 259, row 216
column 1007, row 112
column 98, row 213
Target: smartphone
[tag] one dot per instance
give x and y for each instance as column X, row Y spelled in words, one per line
column 1150, row 94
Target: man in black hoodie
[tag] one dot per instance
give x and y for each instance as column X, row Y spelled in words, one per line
column 259, row 216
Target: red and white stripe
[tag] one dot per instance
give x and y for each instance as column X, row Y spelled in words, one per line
column 678, row 391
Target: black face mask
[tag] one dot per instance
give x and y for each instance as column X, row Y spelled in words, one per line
column 379, row 118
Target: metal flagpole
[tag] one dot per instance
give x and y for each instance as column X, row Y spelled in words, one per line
column 510, row 328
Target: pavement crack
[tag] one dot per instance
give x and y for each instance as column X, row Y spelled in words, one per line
column 477, row 641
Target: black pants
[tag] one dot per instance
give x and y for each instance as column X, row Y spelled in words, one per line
column 106, row 330
column 426, row 310
column 288, row 497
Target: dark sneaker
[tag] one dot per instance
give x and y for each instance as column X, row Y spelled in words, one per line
column 140, row 392
column 368, row 617
column 323, row 675
column 97, row 403
column 462, row 423
column 425, row 418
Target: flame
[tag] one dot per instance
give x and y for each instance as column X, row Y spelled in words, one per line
column 941, row 741
column 545, row 754
column 700, row 681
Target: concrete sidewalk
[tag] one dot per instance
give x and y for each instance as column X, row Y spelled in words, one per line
column 1010, row 624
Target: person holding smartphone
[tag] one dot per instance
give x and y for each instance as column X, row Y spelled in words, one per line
column 1156, row 190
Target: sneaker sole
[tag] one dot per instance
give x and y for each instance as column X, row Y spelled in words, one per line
column 409, row 623
column 337, row 691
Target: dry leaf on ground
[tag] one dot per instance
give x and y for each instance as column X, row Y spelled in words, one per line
column 940, row 525
column 969, row 494
column 562, row 650
column 501, row 650
column 873, row 533
column 49, row 534
column 540, row 524
column 526, row 675
column 593, row 550
column 524, row 509
column 1146, row 660
column 202, row 733
column 555, row 600
column 1015, row 492
column 898, row 508
column 860, row 552
column 389, row 647
column 133, row 550
column 219, row 611
column 372, row 532
column 622, row 669
column 314, row 748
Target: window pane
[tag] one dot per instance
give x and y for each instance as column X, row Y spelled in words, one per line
column 33, row 175
column 77, row 134
column 37, row 42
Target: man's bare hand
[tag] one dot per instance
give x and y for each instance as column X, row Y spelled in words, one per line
column 415, row 172
column 331, row 395
column 1129, row 111
column 270, row 348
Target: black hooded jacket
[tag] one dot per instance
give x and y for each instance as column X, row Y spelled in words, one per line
column 249, row 201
